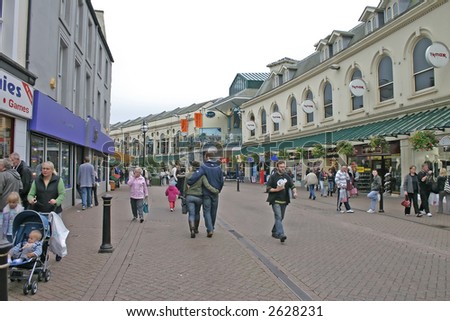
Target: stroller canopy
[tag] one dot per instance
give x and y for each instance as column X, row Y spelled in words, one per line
column 30, row 217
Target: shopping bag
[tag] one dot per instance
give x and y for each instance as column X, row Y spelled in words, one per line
column 184, row 208
column 145, row 208
column 59, row 233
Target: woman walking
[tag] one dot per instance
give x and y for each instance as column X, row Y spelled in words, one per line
column 411, row 188
column 441, row 182
column 138, row 192
column 194, row 198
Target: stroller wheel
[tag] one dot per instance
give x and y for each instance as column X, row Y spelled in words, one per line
column 47, row 275
column 34, row 287
column 26, row 288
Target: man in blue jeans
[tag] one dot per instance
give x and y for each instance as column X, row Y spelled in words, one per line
column 278, row 187
column 375, row 189
column 86, row 180
column 211, row 169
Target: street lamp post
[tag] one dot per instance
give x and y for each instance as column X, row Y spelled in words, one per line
column 144, row 129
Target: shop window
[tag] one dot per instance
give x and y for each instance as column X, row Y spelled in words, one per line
column 53, row 153
column 37, row 154
column 263, row 122
column 6, row 126
column 65, row 164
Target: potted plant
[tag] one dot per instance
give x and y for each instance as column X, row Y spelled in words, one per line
column 423, row 140
column 379, row 142
column 318, row 151
column 345, row 148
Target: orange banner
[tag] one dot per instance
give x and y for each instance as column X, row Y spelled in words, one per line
column 198, row 119
column 184, row 125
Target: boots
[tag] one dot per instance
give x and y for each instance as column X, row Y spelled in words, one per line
column 192, row 229
column 196, row 224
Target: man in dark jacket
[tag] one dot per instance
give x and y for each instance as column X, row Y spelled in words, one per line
column 9, row 181
column 425, row 177
column 26, row 176
column 211, row 169
column 278, row 187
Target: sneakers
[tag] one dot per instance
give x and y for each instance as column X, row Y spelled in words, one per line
column 342, row 211
column 419, row 214
column 142, row 220
column 133, row 219
column 423, row 212
column 429, row 214
column 370, row 211
column 83, row 208
column 350, row 211
column 283, row 238
column 171, row 209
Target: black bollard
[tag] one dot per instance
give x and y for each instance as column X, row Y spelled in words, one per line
column 381, row 209
column 106, row 246
column 237, row 176
column 5, row 246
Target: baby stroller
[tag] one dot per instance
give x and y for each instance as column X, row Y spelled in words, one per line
column 23, row 224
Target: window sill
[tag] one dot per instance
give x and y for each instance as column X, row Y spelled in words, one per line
column 423, row 92
column 383, row 104
column 356, row 112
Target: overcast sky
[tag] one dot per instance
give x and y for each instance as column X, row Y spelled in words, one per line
column 170, row 54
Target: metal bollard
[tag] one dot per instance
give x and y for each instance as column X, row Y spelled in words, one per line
column 106, row 246
column 5, row 246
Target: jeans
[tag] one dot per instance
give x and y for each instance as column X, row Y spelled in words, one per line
column 311, row 191
column 278, row 212
column 86, row 196
column 137, row 206
column 194, row 203
column 210, row 205
column 443, row 194
column 322, row 188
column 373, row 195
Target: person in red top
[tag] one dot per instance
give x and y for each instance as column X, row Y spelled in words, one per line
column 172, row 193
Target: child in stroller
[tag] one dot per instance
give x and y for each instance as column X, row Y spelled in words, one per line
column 27, row 250
column 29, row 256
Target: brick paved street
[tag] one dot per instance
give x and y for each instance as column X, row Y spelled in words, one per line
column 327, row 256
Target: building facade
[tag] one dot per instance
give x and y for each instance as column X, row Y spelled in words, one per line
column 387, row 77
column 65, row 71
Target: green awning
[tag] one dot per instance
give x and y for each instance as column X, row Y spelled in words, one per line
column 434, row 119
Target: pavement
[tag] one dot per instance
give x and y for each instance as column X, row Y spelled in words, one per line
column 327, row 256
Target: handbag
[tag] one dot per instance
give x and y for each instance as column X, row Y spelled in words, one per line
column 353, row 191
column 59, row 232
column 406, row 202
column 447, row 186
column 145, row 208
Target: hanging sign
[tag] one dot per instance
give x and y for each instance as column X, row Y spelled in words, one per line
column 308, row 106
column 276, row 117
column 437, row 55
column 184, row 125
column 357, row 87
column 250, row 125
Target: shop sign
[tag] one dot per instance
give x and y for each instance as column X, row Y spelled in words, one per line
column 357, row 87
column 16, row 96
column 250, row 125
column 210, row 114
column 437, row 55
column 308, row 106
column 276, row 117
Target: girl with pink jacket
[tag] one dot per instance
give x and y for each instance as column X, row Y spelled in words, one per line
column 172, row 193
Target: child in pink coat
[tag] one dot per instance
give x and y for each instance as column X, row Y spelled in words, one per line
column 172, row 193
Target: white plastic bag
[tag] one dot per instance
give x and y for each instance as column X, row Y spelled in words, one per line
column 57, row 242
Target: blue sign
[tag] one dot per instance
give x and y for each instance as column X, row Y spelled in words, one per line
column 250, row 159
column 210, row 114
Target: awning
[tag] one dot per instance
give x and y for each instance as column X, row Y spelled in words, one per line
column 435, row 119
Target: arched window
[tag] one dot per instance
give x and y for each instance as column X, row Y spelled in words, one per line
column 328, row 101
column 293, row 112
column 357, row 101
column 252, row 132
column 263, row 122
column 310, row 116
column 423, row 71
column 276, row 126
column 385, row 79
